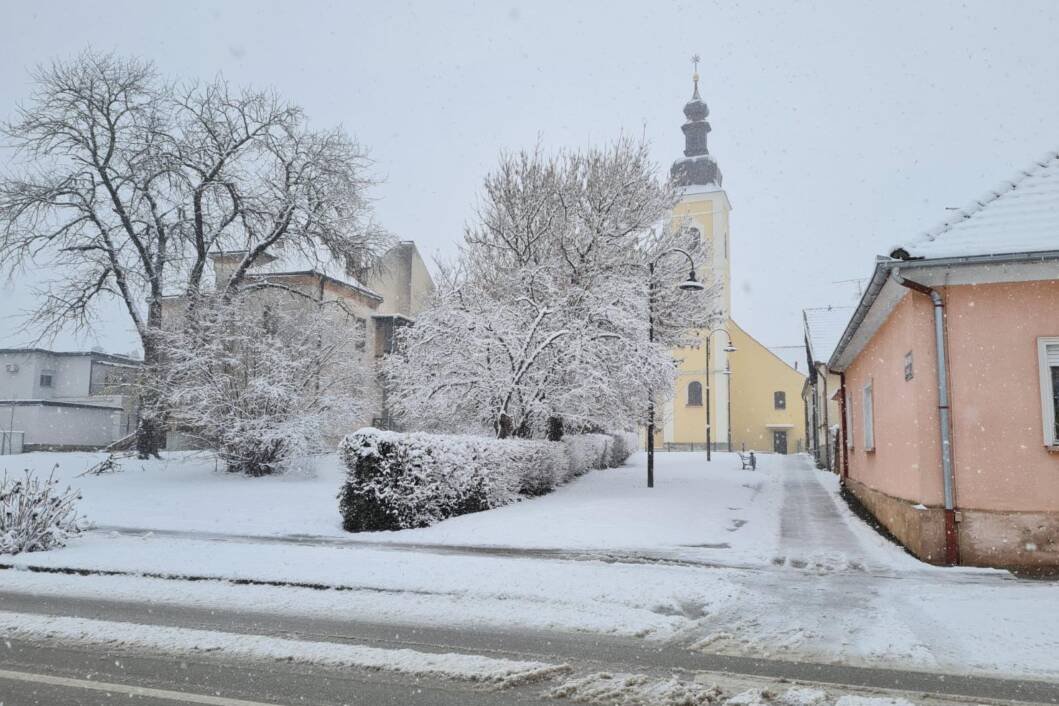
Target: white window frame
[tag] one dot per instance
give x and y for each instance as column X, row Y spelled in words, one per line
column 1047, row 403
column 868, row 414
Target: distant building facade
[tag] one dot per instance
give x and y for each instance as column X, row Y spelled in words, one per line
column 950, row 370
column 823, row 328
column 65, row 401
column 398, row 289
column 753, row 394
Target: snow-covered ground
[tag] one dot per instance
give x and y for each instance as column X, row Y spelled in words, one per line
column 715, row 558
column 693, row 504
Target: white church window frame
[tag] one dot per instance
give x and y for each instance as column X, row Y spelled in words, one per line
column 1048, row 368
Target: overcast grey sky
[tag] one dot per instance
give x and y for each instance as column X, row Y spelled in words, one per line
column 841, row 127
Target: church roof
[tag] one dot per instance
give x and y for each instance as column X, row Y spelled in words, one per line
column 1021, row 215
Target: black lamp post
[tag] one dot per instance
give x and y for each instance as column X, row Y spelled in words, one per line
column 709, row 385
column 691, row 284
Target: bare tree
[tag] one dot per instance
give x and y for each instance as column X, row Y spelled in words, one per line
column 126, row 183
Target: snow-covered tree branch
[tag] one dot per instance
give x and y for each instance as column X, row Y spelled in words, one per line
column 543, row 323
column 264, row 378
column 125, row 183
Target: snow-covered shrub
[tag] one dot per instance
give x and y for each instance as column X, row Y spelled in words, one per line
column 264, row 377
column 623, row 445
column 540, row 465
column 585, row 452
column 34, row 515
column 397, row 481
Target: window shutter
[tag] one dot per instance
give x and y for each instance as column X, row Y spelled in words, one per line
column 1051, row 355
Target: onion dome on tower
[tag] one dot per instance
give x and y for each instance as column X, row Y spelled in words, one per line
column 698, row 167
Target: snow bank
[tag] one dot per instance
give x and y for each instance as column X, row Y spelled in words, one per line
column 399, row 481
column 635, row 690
column 496, row 672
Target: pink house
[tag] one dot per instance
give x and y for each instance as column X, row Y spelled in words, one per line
column 950, row 383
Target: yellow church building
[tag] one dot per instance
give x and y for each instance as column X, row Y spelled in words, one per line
column 746, row 396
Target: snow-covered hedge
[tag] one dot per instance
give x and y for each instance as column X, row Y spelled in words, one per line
column 624, row 444
column 397, row 481
column 35, row 515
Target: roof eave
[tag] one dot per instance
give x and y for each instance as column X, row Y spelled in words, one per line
column 883, row 266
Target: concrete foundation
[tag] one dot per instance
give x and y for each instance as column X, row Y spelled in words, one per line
column 1008, row 540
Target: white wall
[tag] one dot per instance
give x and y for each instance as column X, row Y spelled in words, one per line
column 70, row 375
column 62, row 425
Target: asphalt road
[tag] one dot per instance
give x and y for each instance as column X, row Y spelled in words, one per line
column 43, row 673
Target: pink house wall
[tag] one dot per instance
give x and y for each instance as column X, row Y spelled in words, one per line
column 1000, row 459
column 905, row 463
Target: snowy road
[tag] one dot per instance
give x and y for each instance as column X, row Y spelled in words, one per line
column 714, row 564
column 43, row 666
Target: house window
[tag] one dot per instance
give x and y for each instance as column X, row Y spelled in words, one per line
column 695, row 394
column 46, row 379
column 1048, row 355
column 779, row 399
column 869, row 418
column 908, row 366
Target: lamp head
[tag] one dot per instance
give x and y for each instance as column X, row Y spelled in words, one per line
column 691, row 284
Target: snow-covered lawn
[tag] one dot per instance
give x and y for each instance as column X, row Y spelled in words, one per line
column 765, row 563
column 186, row 491
column 694, row 504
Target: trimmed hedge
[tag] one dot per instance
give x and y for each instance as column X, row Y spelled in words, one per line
column 398, row 481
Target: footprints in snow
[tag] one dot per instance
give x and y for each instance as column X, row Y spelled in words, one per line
column 821, row 564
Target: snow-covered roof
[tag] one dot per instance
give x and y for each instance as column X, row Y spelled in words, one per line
column 1020, row 215
column 824, row 327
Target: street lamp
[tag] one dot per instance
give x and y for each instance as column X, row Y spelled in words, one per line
column 730, row 348
column 691, row 284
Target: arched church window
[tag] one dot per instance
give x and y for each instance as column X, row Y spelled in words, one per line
column 695, row 394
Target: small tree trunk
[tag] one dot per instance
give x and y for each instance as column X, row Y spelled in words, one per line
column 150, row 431
column 555, row 428
column 504, row 426
column 524, row 430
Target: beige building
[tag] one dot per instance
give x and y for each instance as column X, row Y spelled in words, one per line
column 745, row 396
column 390, row 297
column 823, row 329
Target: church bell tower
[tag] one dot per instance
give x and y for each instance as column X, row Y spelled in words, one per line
column 703, row 201
column 704, row 206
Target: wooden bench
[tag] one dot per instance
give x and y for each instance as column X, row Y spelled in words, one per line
column 748, row 459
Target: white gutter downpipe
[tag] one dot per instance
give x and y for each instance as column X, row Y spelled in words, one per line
column 952, row 546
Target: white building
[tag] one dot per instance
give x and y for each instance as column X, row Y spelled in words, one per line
column 67, row 401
